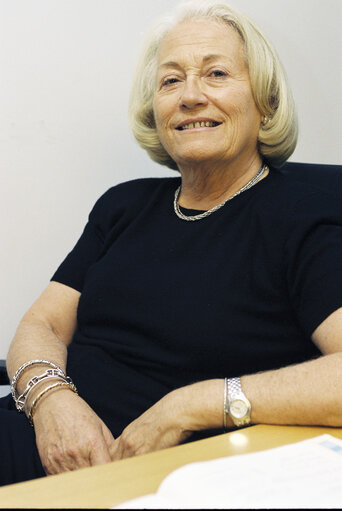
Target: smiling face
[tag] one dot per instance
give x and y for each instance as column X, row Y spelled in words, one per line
column 203, row 104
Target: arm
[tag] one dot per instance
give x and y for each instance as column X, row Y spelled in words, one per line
column 45, row 331
column 69, row 434
column 304, row 394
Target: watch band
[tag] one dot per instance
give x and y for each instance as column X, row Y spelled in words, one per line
column 237, row 405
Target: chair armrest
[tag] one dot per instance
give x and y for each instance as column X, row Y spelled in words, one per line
column 3, row 373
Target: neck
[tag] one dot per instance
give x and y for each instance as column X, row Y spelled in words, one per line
column 205, row 187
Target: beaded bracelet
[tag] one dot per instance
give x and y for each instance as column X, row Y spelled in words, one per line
column 23, row 367
column 36, row 380
column 71, row 386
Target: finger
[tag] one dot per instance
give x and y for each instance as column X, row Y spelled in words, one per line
column 114, row 450
column 58, row 464
column 99, row 454
column 130, row 446
column 120, row 450
column 108, row 437
column 69, row 458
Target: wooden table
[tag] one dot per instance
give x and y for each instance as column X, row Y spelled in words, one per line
column 108, row 485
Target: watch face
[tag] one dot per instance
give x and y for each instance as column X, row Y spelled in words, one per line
column 238, row 408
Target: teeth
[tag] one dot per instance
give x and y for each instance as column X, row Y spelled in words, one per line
column 202, row 124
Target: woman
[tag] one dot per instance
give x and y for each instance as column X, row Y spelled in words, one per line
column 231, row 271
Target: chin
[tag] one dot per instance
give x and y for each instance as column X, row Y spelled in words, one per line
column 193, row 163
column 197, row 157
column 198, row 152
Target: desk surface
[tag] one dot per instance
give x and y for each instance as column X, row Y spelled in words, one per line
column 108, row 485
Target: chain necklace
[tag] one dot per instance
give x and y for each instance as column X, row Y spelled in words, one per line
column 192, row 218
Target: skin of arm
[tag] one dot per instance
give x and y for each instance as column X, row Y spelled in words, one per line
column 44, row 332
column 302, row 394
column 69, row 434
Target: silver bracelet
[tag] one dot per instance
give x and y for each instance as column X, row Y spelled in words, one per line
column 49, row 374
column 70, row 386
column 23, row 367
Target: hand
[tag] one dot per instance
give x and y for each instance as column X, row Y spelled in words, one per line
column 172, row 419
column 161, row 426
column 69, row 434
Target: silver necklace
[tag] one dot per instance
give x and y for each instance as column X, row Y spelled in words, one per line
column 192, row 218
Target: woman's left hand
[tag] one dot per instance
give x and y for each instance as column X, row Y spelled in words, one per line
column 157, row 428
column 171, row 420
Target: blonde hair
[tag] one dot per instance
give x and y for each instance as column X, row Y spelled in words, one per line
column 272, row 94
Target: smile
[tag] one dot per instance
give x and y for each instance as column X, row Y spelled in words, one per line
column 198, row 124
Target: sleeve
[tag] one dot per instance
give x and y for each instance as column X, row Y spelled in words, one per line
column 88, row 248
column 313, row 251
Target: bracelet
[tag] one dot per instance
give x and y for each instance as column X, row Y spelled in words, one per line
column 49, row 374
column 23, row 367
column 64, row 380
column 71, row 386
column 225, row 404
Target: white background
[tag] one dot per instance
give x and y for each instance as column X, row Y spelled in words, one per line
column 66, row 69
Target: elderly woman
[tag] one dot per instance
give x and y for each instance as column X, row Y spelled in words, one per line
column 196, row 303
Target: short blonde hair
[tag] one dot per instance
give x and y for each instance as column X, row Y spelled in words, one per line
column 272, row 94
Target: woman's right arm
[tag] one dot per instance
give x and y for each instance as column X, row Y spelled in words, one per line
column 69, row 434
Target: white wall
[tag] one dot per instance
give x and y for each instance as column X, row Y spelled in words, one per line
column 66, row 68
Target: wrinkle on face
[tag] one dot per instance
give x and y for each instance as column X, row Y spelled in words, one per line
column 189, row 85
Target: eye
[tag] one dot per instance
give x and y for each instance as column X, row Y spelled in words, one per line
column 218, row 73
column 169, row 81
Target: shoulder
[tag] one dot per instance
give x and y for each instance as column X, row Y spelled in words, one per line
column 299, row 196
column 312, row 177
column 298, row 184
column 136, row 190
column 127, row 199
column 308, row 198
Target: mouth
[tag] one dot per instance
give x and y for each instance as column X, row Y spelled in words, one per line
column 198, row 124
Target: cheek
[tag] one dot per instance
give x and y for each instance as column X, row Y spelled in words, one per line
column 164, row 108
column 160, row 117
column 237, row 102
column 249, row 107
column 159, row 111
column 156, row 113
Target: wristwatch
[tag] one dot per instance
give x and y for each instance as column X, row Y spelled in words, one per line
column 238, row 406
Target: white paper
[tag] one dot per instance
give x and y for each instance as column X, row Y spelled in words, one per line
column 306, row 474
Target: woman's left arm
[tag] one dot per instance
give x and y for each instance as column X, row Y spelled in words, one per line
column 309, row 393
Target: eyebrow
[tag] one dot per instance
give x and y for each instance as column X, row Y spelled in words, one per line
column 206, row 59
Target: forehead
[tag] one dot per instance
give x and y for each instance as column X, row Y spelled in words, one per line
column 194, row 39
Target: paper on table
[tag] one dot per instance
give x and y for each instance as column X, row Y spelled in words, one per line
column 306, row 474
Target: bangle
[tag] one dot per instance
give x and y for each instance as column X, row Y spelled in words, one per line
column 64, row 380
column 71, row 386
column 23, row 367
column 49, row 374
column 225, row 404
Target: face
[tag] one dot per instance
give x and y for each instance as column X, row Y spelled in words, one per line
column 203, row 104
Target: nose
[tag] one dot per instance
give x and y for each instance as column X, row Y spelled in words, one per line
column 192, row 94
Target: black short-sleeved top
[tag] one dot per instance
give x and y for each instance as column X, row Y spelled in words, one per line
column 165, row 302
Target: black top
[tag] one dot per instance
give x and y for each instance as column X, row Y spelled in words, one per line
column 165, row 302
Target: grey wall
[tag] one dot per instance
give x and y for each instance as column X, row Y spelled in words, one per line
column 66, row 68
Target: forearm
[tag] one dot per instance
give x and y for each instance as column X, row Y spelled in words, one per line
column 69, row 434
column 34, row 340
column 304, row 394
